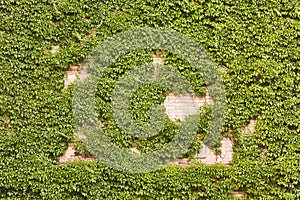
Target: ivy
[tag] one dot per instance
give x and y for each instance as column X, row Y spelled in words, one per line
column 255, row 44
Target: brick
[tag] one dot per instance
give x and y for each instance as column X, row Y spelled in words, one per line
column 69, row 156
column 250, row 127
column 208, row 156
column 183, row 105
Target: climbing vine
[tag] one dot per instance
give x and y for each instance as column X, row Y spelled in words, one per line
column 255, row 44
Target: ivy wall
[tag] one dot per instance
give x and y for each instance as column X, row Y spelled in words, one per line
column 254, row 43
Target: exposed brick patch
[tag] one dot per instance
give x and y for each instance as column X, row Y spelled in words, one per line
column 250, row 127
column 83, row 73
column 227, row 151
column 180, row 106
column 70, row 79
column 135, row 150
column 238, row 194
column 208, row 156
column 69, row 156
column 157, row 59
column 72, row 74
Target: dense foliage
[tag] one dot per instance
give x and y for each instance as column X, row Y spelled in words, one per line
column 255, row 43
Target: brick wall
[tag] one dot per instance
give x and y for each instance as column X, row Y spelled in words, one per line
column 180, row 106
